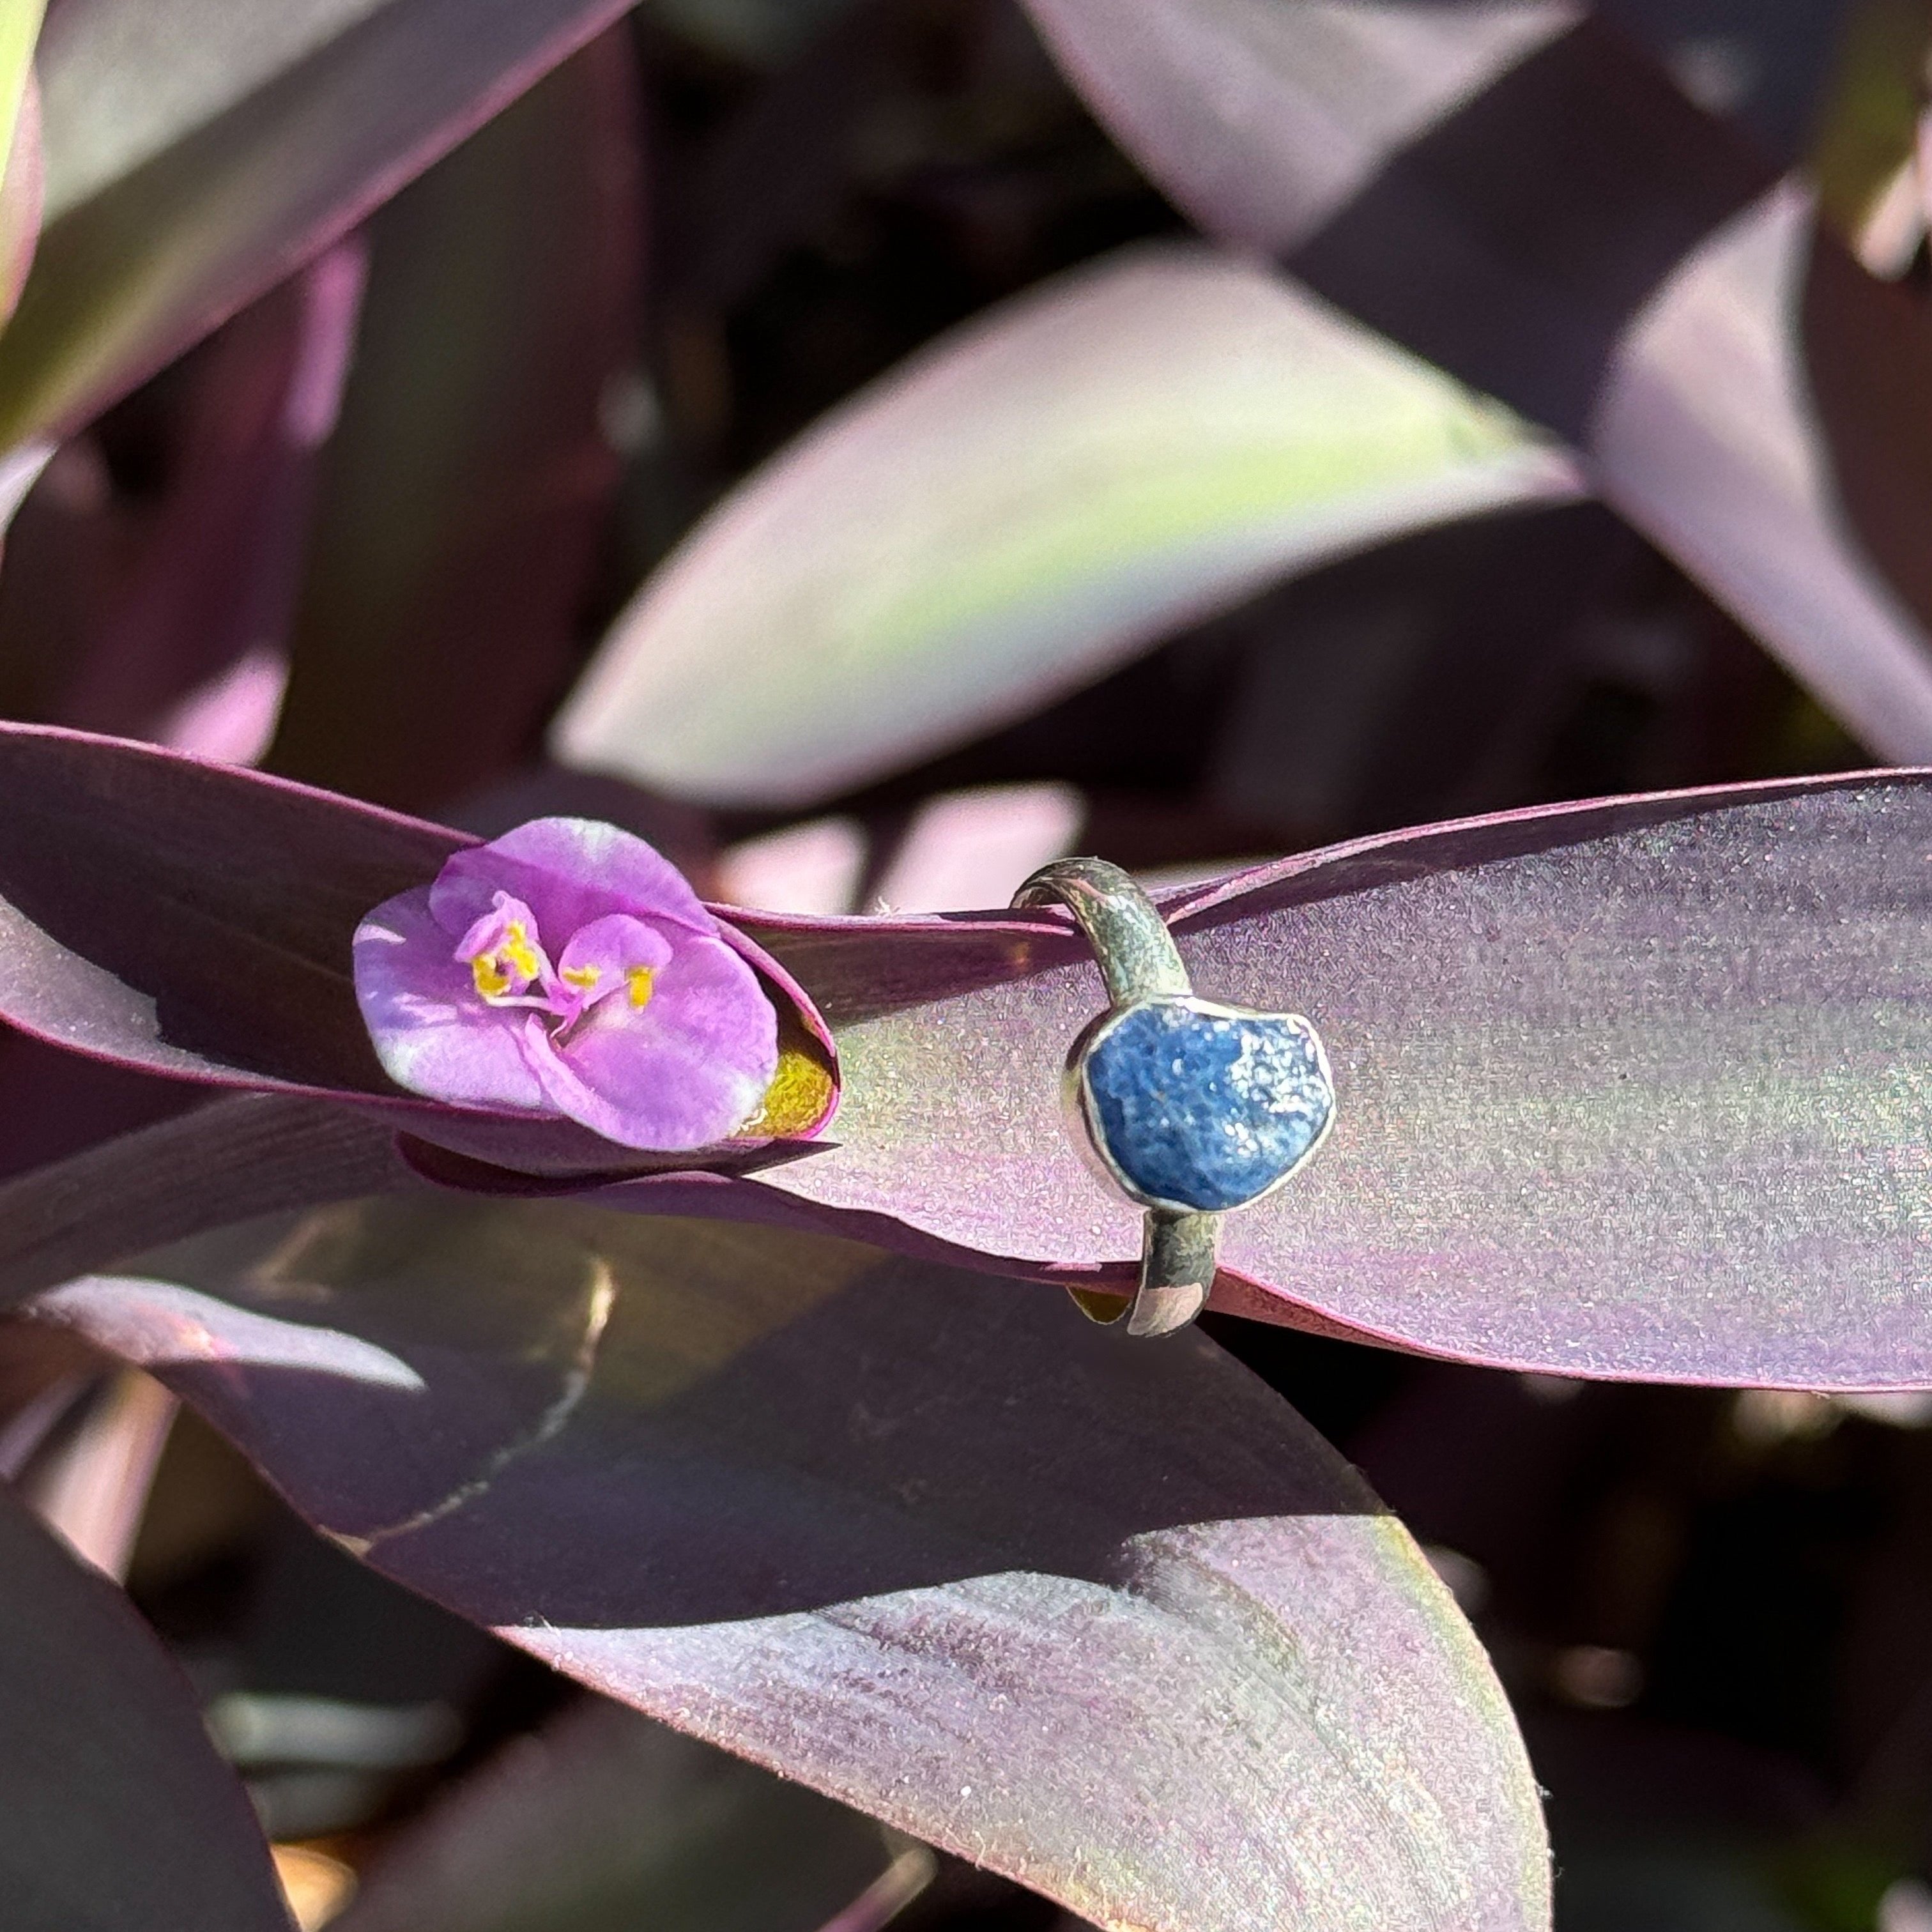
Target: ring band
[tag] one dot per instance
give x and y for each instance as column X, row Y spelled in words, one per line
column 1188, row 1107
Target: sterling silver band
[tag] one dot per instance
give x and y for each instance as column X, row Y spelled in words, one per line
column 1138, row 963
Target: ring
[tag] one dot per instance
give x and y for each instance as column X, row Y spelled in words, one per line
column 1189, row 1108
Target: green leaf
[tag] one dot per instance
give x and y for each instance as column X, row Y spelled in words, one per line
column 1035, row 500
column 199, row 150
column 20, row 29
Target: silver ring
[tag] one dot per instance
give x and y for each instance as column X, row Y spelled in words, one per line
column 1189, row 1108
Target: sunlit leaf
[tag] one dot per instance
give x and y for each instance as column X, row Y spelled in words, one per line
column 1634, row 1088
column 1107, row 1618
column 1637, row 1088
column 1533, row 204
column 115, row 1814
column 198, row 151
column 1862, row 149
column 20, row 190
column 19, row 28
column 90, row 1487
column 1034, row 500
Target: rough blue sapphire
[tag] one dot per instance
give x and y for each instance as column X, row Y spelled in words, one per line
column 1206, row 1109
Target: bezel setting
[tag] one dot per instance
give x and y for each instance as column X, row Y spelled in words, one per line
column 1092, row 1139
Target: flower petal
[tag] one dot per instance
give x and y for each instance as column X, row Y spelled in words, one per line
column 684, row 1071
column 432, row 1033
column 502, row 952
column 604, row 955
column 569, row 872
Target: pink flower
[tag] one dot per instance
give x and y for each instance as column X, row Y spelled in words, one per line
column 567, row 969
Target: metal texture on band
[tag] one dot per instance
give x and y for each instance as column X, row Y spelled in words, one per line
column 1140, row 965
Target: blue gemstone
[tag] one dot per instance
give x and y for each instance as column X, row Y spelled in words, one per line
column 1206, row 1110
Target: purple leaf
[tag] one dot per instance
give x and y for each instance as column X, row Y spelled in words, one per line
column 470, row 478
column 115, row 1813
column 1022, row 509
column 1786, row 472
column 59, row 1102
column 1634, row 1088
column 958, row 851
column 1533, row 204
column 189, row 650
column 1640, row 1088
column 254, row 1153
column 604, row 1818
column 199, row 151
column 1314, row 100
column 968, row 849
column 1108, row 1618
column 190, row 920
column 168, row 621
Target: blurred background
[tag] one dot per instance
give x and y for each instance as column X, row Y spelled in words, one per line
column 1712, row 1609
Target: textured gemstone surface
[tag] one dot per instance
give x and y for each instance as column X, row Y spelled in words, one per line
column 1205, row 1109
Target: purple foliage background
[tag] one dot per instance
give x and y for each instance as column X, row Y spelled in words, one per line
column 359, row 509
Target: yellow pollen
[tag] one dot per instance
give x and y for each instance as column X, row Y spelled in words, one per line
column 490, row 978
column 583, row 976
column 516, row 948
column 511, row 958
column 639, row 978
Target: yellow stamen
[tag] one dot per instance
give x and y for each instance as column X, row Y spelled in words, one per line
column 639, row 978
column 583, row 977
column 512, row 958
column 516, row 947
